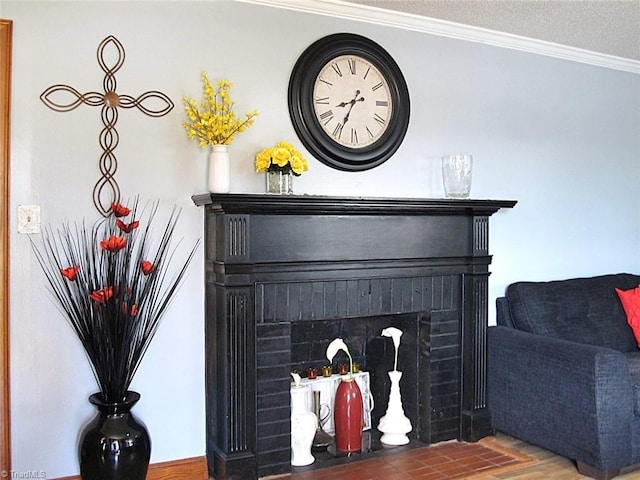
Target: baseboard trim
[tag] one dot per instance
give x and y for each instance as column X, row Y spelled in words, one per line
column 185, row 469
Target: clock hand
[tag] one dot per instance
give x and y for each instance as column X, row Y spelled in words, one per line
column 353, row 102
column 346, row 117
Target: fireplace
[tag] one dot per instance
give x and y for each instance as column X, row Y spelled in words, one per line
column 279, row 268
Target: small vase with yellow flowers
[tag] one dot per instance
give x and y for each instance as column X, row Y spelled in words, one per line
column 280, row 163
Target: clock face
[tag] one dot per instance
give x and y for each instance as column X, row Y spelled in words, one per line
column 348, row 102
column 352, row 101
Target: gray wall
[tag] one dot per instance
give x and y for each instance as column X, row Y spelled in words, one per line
column 560, row 137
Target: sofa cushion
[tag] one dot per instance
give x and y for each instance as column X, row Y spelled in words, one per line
column 630, row 300
column 584, row 310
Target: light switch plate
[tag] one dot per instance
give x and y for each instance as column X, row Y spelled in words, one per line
column 28, row 218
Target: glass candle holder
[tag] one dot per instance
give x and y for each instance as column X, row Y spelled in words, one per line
column 280, row 182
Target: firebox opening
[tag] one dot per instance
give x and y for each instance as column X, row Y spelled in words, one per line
column 374, row 354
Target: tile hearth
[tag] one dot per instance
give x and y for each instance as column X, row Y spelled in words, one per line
column 444, row 461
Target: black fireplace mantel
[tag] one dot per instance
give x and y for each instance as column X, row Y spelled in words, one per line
column 275, row 261
column 316, row 205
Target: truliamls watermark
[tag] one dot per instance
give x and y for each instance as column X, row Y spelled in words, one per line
column 24, row 474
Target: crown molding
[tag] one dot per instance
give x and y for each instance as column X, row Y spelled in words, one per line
column 444, row 28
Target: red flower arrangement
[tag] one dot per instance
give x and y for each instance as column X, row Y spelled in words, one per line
column 112, row 289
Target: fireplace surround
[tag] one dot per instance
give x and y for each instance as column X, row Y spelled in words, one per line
column 278, row 267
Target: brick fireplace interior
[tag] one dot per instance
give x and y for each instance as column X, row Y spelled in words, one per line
column 285, row 275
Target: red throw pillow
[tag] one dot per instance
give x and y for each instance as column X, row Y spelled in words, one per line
column 630, row 300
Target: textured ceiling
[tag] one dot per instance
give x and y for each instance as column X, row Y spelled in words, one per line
column 611, row 27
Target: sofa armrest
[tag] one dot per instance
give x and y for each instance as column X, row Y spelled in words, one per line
column 573, row 399
column 503, row 316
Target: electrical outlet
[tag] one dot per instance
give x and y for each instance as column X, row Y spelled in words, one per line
column 28, row 218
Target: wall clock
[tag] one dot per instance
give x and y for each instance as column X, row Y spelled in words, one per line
column 348, row 102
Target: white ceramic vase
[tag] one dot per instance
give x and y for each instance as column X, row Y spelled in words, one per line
column 303, row 428
column 218, row 175
column 394, row 425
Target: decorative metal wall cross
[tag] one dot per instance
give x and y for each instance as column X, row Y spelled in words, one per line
column 110, row 100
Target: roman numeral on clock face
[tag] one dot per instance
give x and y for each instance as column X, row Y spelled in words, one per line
column 326, row 116
column 370, row 133
column 337, row 132
column 352, row 66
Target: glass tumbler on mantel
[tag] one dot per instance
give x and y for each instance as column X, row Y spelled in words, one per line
column 456, row 175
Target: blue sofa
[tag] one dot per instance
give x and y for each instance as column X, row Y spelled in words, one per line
column 563, row 371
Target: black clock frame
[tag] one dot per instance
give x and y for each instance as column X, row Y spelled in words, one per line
column 302, row 113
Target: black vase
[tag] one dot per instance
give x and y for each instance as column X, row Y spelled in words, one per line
column 114, row 445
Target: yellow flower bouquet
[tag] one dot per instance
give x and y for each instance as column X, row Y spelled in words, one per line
column 281, row 158
column 214, row 122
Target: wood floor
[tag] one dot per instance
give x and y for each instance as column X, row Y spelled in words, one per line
column 549, row 466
